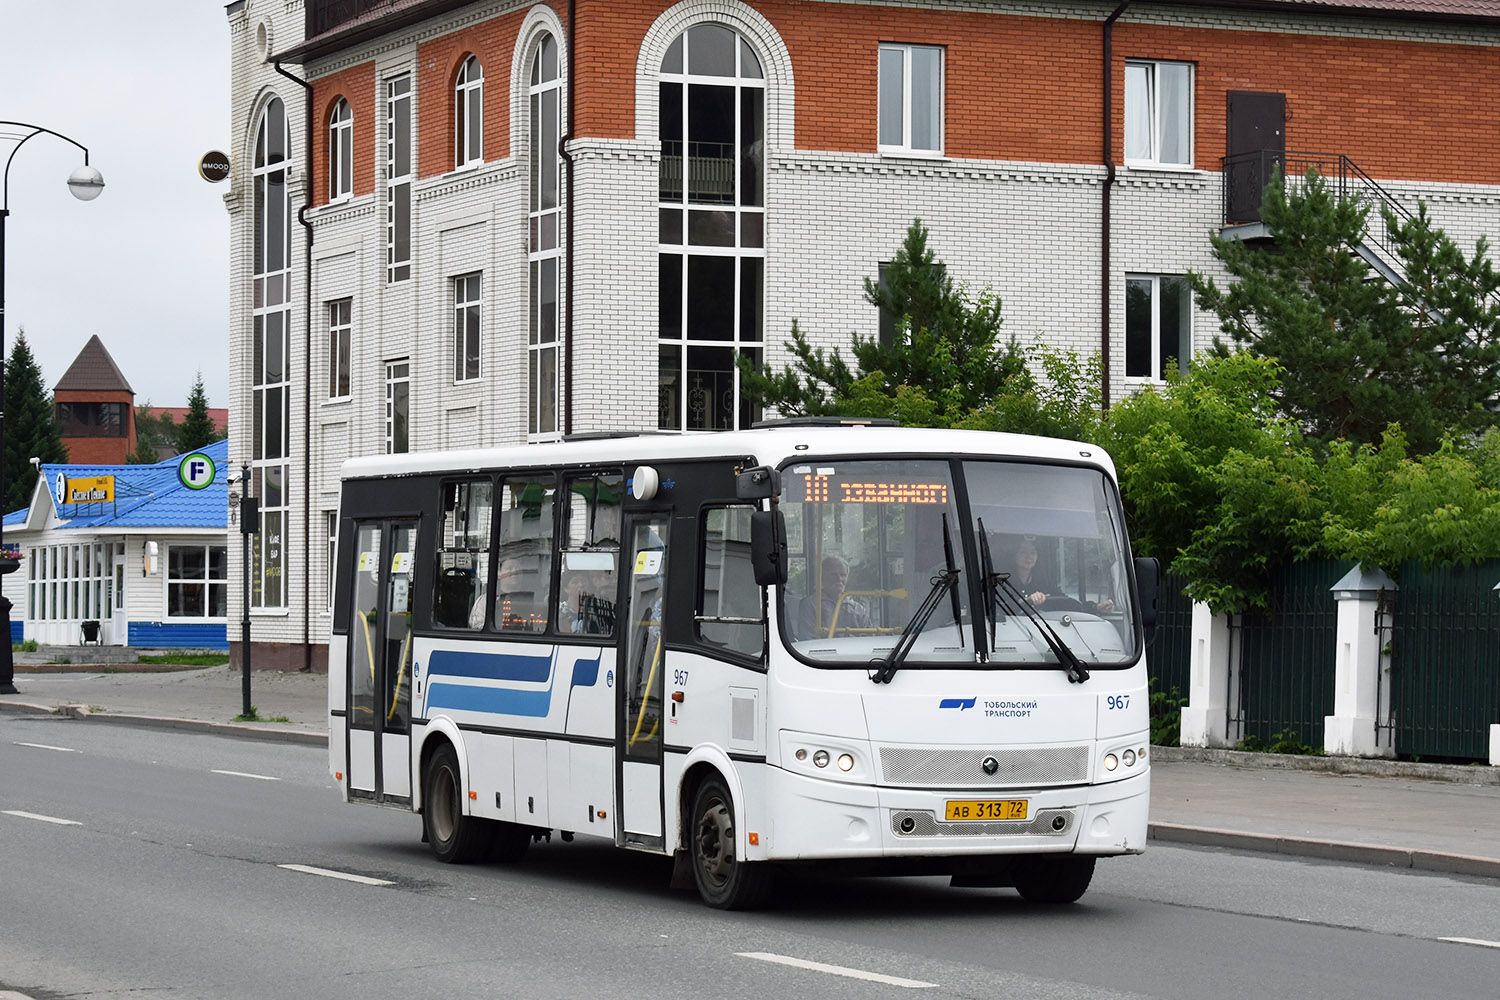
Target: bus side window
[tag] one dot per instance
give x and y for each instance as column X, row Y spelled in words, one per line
column 729, row 602
column 524, row 578
column 592, row 525
column 463, row 555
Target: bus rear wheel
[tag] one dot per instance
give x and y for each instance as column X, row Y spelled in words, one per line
column 1054, row 878
column 453, row 837
column 725, row 881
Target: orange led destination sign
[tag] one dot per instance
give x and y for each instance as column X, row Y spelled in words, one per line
column 820, row 489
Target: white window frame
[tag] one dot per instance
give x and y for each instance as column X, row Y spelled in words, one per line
column 468, row 326
column 340, row 152
column 400, row 165
column 340, row 349
column 906, row 147
column 208, row 581
column 1142, row 99
column 397, row 374
column 1184, row 335
column 544, row 256
column 468, row 114
column 331, row 518
column 271, row 386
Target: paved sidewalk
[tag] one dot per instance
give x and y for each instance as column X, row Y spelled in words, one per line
column 1431, row 817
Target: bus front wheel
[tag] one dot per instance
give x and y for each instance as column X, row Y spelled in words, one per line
column 725, row 881
column 1054, row 878
column 453, row 837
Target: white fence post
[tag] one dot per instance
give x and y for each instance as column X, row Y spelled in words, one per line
column 1360, row 659
column 1205, row 716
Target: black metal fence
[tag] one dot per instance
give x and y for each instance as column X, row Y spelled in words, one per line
column 1445, row 660
column 1169, row 656
column 1287, row 659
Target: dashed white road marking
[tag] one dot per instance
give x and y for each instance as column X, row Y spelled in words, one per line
column 245, row 774
column 328, row 873
column 1479, row 941
column 837, row 970
column 39, row 817
column 47, row 746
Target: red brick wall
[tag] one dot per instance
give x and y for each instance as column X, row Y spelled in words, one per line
column 357, row 86
column 99, row 450
column 1017, row 88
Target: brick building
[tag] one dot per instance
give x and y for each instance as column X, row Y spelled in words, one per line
column 464, row 223
column 95, row 408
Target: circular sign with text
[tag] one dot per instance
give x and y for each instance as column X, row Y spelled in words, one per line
column 196, row 471
column 214, row 166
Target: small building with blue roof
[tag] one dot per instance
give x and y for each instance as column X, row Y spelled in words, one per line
column 125, row 555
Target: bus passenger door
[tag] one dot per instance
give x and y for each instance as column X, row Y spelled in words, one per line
column 642, row 661
column 380, row 657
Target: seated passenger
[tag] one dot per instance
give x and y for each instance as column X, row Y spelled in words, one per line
column 825, row 610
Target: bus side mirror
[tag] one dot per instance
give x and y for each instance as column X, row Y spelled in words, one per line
column 768, row 547
column 1148, row 586
column 759, row 483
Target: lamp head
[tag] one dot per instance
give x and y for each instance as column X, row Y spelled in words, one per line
column 86, row 183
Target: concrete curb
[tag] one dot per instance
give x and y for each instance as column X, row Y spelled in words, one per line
column 241, row 730
column 1328, row 850
column 1375, row 767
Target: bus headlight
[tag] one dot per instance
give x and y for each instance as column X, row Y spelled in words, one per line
column 1111, row 762
column 820, row 759
column 826, row 757
column 846, row 762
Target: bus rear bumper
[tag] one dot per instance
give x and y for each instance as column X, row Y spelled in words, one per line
column 827, row 819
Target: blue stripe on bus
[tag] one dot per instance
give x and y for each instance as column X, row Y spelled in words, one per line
column 490, row 666
column 495, row 701
column 586, row 672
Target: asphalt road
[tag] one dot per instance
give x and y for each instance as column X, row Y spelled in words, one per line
column 165, row 878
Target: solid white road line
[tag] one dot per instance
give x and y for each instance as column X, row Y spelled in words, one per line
column 39, row 816
column 44, row 746
column 245, row 774
column 837, row 970
column 1479, row 941
column 326, row 873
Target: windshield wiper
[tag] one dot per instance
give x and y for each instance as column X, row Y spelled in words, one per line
column 990, row 580
column 1077, row 673
column 946, row 580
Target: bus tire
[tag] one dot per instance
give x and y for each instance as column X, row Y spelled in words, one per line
column 511, row 842
column 453, row 837
column 1054, row 878
column 725, row 881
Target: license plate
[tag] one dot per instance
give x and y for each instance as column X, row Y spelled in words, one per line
column 994, row 809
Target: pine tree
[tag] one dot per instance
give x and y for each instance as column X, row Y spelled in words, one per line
column 1358, row 352
column 944, row 361
column 197, row 428
column 30, row 428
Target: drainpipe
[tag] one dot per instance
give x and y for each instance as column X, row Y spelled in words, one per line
column 1105, row 292
column 562, row 150
column 306, row 377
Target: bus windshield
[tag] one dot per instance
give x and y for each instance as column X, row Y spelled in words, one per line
column 1040, row 564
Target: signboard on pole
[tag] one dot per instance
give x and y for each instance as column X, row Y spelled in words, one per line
column 196, row 471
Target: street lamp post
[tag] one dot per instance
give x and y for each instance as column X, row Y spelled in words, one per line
column 86, row 183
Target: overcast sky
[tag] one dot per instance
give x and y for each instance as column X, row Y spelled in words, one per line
column 145, row 86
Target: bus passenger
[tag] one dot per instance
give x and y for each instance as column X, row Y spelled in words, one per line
column 816, row 614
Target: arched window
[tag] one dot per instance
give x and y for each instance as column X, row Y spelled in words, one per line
column 468, row 111
column 545, row 127
column 711, row 252
column 270, row 392
column 340, row 151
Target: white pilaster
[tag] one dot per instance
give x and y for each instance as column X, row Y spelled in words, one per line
column 1360, row 666
column 1205, row 716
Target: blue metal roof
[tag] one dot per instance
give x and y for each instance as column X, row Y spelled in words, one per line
column 147, row 496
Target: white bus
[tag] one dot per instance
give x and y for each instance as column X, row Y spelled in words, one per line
column 893, row 650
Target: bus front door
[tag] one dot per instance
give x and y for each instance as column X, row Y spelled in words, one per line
column 380, row 657
column 643, row 660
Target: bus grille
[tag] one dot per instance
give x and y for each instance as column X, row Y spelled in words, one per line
column 964, row 767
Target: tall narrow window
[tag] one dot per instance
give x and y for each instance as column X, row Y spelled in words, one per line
column 1159, row 114
column 712, row 223
column 340, row 151
column 545, row 255
column 398, row 406
column 340, row 330
column 468, row 310
column 1158, row 325
column 271, row 377
column 468, row 114
column 398, row 177
column 331, row 518
column 911, row 99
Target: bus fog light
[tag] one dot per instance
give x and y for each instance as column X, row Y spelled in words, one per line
column 820, row 759
column 846, row 762
column 1129, row 758
column 1111, row 762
